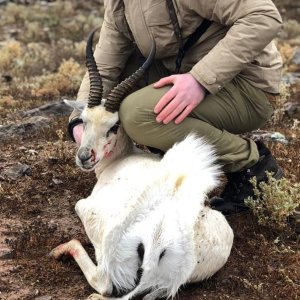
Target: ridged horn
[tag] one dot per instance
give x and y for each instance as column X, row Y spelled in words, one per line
column 96, row 88
column 118, row 93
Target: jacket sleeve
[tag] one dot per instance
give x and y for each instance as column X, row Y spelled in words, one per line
column 252, row 26
column 111, row 54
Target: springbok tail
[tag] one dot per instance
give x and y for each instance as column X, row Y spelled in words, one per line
column 190, row 165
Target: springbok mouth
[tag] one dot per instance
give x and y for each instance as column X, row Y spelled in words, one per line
column 89, row 167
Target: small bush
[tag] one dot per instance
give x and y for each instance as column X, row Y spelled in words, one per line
column 40, row 23
column 62, row 150
column 279, row 110
column 58, row 150
column 11, row 52
column 275, row 201
column 287, row 53
column 291, row 29
column 65, row 81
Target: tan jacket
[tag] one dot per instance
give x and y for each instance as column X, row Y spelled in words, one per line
column 239, row 41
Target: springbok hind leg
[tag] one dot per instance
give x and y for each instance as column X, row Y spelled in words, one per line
column 76, row 250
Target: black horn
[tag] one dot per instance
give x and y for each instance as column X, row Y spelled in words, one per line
column 116, row 96
column 96, row 88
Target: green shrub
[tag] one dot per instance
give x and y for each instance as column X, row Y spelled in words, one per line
column 275, row 201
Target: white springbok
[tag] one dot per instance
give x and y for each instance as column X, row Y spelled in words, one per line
column 146, row 217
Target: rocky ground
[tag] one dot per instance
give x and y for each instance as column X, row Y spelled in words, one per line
column 41, row 62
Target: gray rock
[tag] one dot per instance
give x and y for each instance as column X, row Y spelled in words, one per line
column 31, row 124
column 296, row 58
column 54, row 109
column 291, row 78
column 273, row 136
column 15, row 172
column 292, row 109
column 57, row 181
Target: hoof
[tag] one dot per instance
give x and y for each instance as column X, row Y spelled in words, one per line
column 54, row 254
column 58, row 251
column 95, row 297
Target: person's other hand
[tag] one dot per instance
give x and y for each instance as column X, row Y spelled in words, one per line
column 185, row 94
column 77, row 133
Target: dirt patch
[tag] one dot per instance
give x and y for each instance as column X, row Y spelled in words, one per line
column 38, row 214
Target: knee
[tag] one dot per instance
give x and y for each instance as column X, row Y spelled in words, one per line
column 133, row 116
column 129, row 112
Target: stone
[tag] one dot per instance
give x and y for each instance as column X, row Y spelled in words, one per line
column 273, row 136
column 30, row 124
column 296, row 57
column 57, row 181
column 50, row 109
column 291, row 77
column 291, row 107
column 15, row 172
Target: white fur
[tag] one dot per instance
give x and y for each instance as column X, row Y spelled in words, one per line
column 140, row 199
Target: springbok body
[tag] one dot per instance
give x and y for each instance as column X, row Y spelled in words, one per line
column 146, row 217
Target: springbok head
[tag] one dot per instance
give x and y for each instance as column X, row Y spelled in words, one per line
column 100, row 116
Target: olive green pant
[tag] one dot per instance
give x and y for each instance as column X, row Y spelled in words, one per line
column 237, row 108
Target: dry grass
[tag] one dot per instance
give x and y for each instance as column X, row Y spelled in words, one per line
column 42, row 48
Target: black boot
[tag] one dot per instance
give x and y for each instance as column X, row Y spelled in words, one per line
column 238, row 187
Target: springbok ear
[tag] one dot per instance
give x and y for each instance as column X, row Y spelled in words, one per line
column 79, row 105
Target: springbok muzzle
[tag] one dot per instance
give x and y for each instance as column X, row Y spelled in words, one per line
column 85, row 157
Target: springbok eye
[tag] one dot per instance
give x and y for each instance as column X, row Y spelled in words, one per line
column 113, row 129
column 162, row 254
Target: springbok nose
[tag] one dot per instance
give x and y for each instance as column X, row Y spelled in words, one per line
column 84, row 154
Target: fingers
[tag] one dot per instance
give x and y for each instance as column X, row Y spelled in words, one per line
column 164, row 81
column 171, row 111
column 184, row 114
column 185, row 94
column 176, row 109
column 166, row 98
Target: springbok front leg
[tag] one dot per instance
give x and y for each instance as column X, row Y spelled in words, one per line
column 89, row 269
column 96, row 297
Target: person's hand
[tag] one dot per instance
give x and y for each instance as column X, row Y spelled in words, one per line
column 77, row 133
column 185, row 94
